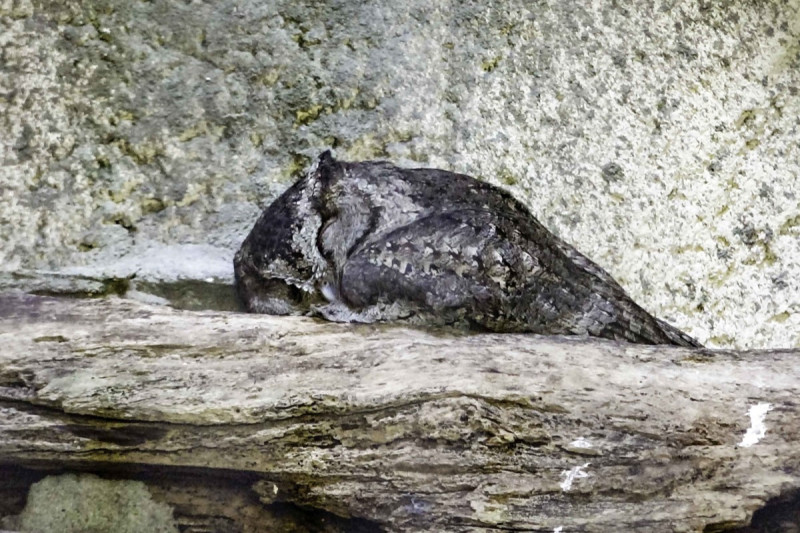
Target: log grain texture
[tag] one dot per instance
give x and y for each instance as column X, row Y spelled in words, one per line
column 399, row 429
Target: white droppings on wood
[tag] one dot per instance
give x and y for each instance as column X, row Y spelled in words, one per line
column 581, row 443
column 572, row 474
column 757, row 429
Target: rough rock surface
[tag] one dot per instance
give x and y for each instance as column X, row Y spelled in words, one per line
column 406, row 430
column 661, row 138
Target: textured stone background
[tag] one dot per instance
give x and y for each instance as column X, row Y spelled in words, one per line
column 661, row 138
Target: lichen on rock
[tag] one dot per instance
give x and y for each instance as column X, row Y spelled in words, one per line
column 84, row 503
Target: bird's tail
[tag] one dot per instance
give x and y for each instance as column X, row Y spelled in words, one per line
column 634, row 324
column 676, row 336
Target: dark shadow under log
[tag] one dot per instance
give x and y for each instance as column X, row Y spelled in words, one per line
column 395, row 429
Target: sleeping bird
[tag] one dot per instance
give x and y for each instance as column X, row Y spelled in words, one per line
column 371, row 242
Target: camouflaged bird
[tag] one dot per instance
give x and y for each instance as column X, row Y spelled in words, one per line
column 368, row 242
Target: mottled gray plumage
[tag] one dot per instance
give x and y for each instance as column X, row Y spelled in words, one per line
column 368, row 242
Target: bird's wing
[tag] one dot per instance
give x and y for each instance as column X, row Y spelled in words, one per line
column 469, row 264
column 487, row 270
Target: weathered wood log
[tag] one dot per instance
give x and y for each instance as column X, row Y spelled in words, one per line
column 407, row 430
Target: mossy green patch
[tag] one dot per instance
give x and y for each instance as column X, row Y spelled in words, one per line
column 84, row 503
column 306, row 116
column 489, row 65
column 790, row 226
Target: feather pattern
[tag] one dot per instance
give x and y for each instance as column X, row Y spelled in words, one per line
column 371, row 242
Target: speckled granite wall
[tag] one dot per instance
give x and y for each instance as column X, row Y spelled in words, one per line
column 661, row 138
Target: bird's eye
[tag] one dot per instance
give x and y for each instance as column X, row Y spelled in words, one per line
column 294, row 293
